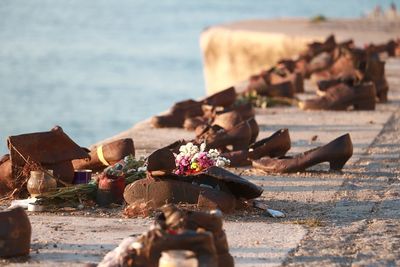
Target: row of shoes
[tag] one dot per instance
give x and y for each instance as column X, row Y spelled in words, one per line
column 351, row 77
column 346, row 76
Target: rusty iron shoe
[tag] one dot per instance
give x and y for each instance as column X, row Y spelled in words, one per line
column 316, row 48
column 337, row 153
column 274, row 146
column 342, row 96
column 105, row 155
column 350, row 79
column 271, row 84
column 15, row 233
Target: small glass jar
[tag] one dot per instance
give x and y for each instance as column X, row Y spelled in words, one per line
column 178, row 258
column 40, row 182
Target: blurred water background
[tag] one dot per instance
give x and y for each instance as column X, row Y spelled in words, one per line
column 98, row 67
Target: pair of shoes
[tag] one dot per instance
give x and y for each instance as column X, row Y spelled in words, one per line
column 337, row 153
column 342, row 96
column 15, row 233
column 176, row 116
column 274, row 146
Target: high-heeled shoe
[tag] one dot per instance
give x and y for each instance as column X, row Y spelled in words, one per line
column 274, row 146
column 15, row 233
column 337, row 153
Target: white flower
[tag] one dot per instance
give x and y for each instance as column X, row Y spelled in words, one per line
column 222, row 162
column 195, row 157
column 189, row 149
column 202, row 147
column 213, row 154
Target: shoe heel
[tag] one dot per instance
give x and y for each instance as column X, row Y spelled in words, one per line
column 337, row 165
column 365, row 105
column 382, row 96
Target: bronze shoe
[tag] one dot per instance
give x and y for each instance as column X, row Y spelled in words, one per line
column 271, row 84
column 15, row 233
column 337, row 153
column 274, row 146
column 316, row 48
column 350, row 79
column 389, row 48
column 342, row 96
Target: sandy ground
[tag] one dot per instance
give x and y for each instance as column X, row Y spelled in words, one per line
column 334, row 218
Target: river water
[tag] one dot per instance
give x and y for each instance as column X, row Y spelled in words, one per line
column 98, row 67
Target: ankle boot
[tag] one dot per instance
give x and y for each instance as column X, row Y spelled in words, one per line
column 337, row 153
column 106, row 155
column 15, row 233
column 274, row 146
column 342, row 96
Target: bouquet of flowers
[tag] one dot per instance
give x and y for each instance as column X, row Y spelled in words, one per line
column 193, row 159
